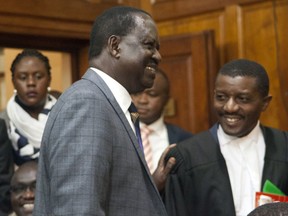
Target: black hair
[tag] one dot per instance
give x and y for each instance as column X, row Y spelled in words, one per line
column 117, row 21
column 245, row 67
column 25, row 165
column 31, row 53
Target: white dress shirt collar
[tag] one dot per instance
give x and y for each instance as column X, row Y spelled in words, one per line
column 121, row 95
column 225, row 139
column 244, row 158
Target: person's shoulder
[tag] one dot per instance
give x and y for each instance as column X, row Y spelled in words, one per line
column 268, row 131
column 176, row 133
column 276, row 142
column 176, row 128
column 81, row 90
column 197, row 138
column 195, row 151
column 195, row 143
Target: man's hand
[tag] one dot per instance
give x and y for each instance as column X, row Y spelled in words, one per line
column 163, row 169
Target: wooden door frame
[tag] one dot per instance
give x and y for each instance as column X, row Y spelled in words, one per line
column 202, row 69
column 60, row 44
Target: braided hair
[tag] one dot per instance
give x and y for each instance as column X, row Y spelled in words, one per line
column 31, row 53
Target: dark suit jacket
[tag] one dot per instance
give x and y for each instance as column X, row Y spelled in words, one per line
column 199, row 185
column 176, row 134
column 6, row 169
column 90, row 160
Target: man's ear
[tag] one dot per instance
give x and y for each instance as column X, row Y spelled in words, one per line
column 266, row 102
column 113, row 46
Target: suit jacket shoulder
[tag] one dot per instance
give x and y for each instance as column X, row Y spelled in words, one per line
column 276, row 158
column 200, row 149
column 200, row 178
column 177, row 134
column 276, row 143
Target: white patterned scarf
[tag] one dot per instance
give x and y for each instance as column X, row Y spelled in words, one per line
column 26, row 132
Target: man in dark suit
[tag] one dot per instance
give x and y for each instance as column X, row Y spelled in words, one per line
column 219, row 171
column 151, row 104
column 91, row 162
column 6, row 169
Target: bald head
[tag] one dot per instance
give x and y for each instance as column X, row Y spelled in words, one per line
column 26, row 171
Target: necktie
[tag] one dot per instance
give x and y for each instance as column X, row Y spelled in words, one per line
column 145, row 132
column 135, row 119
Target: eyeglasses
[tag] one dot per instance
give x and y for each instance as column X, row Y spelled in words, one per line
column 20, row 188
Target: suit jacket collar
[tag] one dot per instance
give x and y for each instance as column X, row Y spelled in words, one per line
column 95, row 78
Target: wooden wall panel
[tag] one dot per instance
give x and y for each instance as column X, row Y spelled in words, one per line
column 18, row 24
column 212, row 21
column 173, row 9
column 178, row 70
column 281, row 28
column 232, row 40
column 259, row 35
column 188, row 64
column 255, row 29
column 55, row 18
column 77, row 10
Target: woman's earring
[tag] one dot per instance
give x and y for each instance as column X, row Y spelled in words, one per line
column 15, row 92
column 48, row 88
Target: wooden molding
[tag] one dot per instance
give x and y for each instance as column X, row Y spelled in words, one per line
column 171, row 9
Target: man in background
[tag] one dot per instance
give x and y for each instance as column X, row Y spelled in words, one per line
column 156, row 133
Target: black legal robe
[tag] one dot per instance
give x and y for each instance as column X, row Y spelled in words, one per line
column 199, row 183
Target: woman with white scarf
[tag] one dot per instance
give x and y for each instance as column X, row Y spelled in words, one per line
column 27, row 110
